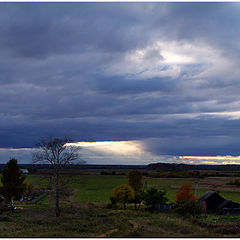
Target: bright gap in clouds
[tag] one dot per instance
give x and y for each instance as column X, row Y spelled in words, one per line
column 210, row 159
column 121, row 148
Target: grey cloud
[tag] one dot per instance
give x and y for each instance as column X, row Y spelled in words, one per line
column 53, row 79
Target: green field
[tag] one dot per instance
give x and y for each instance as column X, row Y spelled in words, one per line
column 85, row 211
column 99, row 188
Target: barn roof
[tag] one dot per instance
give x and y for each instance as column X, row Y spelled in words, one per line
column 215, row 201
column 223, row 203
column 206, row 195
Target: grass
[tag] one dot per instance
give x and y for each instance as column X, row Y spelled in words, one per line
column 96, row 188
column 216, row 218
column 234, row 196
column 84, row 213
column 94, row 220
column 99, row 188
column 43, row 203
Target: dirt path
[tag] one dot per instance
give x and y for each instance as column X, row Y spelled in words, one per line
column 135, row 225
column 104, row 235
column 107, row 233
column 71, row 197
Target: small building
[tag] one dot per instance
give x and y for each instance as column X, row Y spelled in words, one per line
column 163, row 207
column 24, row 170
column 213, row 202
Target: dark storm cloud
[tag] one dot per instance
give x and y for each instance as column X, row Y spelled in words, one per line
column 119, row 86
column 121, row 71
column 40, row 30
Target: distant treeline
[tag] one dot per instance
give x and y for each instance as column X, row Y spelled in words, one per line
column 34, row 167
column 159, row 167
column 190, row 174
column 184, row 167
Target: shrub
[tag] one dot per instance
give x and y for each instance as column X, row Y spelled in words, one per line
column 152, row 197
column 113, row 200
column 185, row 193
column 113, row 204
column 123, row 194
column 190, row 207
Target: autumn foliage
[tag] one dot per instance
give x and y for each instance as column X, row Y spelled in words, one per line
column 123, row 194
column 135, row 180
column 185, row 193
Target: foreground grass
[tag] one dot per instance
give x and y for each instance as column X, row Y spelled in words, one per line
column 94, row 220
column 80, row 218
column 213, row 218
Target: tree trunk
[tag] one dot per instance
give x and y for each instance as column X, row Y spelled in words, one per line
column 12, row 204
column 57, row 196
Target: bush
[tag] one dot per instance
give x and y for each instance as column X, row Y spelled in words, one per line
column 113, row 200
column 185, row 193
column 113, row 204
column 123, row 194
column 152, row 197
column 190, row 207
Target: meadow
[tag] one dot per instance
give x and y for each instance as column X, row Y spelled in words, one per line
column 99, row 188
column 85, row 212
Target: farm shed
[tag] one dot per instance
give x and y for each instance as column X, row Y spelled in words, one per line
column 163, row 207
column 213, row 202
column 24, row 170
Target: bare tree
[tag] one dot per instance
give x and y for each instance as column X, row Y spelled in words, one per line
column 59, row 153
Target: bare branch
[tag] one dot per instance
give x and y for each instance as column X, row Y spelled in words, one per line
column 59, row 154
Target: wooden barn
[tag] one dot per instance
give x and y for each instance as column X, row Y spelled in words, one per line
column 213, row 202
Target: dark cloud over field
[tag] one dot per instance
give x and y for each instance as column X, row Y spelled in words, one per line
column 163, row 74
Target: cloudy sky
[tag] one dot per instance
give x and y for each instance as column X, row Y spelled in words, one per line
column 133, row 83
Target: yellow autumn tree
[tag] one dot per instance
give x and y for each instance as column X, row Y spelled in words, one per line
column 123, row 194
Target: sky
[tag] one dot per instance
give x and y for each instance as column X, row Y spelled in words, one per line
column 132, row 83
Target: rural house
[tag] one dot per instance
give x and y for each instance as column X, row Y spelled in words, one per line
column 24, row 170
column 213, row 202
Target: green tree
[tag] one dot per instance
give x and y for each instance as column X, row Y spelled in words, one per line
column 189, row 207
column 135, row 180
column 12, row 181
column 153, row 196
column 123, row 194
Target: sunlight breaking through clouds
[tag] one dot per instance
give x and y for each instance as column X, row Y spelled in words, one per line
column 210, row 159
column 167, row 59
column 113, row 147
